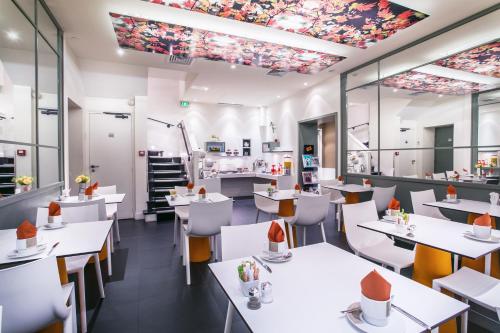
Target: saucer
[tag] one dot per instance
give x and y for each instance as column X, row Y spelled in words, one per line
column 14, row 254
column 50, row 226
column 395, row 322
column 272, row 257
column 452, row 201
column 471, row 235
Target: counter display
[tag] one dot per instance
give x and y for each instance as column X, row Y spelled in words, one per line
column 241, row 184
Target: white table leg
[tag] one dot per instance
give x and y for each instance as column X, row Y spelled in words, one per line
column 455, row 262
column 487, row 264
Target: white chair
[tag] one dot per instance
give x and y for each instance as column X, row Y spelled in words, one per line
column 449, row 174
column 181, row 213
column 419, row 198
column 205, row 220
column 388, row 172
column 235, row 244
column 473, row 286
column 81, row 212
column 439, row 176
column 32, row 297
column 212, row 185
column 311, row 210
column 336, row 198
column 264, row 205
column 370, row 244
column 382, row 196
column 111, row 211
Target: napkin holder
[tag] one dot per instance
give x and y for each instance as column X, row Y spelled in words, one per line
column 25, row 244
column 277, row 248
column 451, row 197
column 54, row 220
column 375, row 312
column 480, row 231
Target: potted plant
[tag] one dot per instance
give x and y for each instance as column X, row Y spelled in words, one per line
column 24, row 183
column 82, row 180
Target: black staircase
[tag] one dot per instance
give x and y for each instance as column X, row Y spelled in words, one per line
column 7, row 173
column 164, row 173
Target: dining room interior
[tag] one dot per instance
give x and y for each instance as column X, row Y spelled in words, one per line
column 249, row 166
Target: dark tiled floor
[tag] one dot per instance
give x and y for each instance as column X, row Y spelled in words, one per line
column 147, row 292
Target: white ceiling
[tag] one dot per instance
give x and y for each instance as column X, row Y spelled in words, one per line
column 90, row 35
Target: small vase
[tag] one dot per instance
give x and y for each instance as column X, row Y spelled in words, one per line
column 25, row 188
column 81, row 191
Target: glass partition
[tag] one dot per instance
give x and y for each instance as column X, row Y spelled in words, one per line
column 30, row 100
column 432, row 111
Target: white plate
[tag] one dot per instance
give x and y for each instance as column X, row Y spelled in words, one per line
column 395, row 322
column 492, row 239
column 27, row 253
column 50, row 226
column 277, row 259
column 452, row 201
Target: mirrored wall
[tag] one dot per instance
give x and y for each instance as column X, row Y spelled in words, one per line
column 431, row 111
column 30, row 97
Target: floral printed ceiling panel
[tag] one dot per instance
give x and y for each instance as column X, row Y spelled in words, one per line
column 484, row 60
column 421, row 82
column 358, row 23
column 164, row 38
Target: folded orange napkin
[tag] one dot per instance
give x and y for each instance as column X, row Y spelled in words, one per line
column 452, row 190
column 95, row 186
column 340, row 178
column 54, row 209
column 202, row 191
column 483, row 220
column 367, row 182
column 190, row 186
column 375, row 287
column 394, row 204
column 275, row 233
column 89, row 190
column 297, row 187
column 26, row 230
column 273, row 182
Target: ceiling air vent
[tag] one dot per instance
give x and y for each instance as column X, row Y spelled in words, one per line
column 276, row 72
column 173, row 59
column 231, row 104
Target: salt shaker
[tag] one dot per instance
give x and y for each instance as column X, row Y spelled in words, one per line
column 254, row 299
column 267, row 292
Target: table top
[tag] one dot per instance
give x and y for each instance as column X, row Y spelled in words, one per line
column 185, row 200
column 281, row 195
column 440, row 234
column 349, row 188
column 468, row 206
column 319, row 282
column 115, row 198
column 74, row 239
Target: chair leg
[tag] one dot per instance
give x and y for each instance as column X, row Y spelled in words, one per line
column 216, row 251
column 229, row 317
column 186, row 256
column 323, row 232
column 339, row 219
column 108, row 245
column 83, row 304
column 71, row 321
column 397, row 270
column 304, row 236
column 111, row 237
column 97, row 265
column 117, row 228
column 181, row 240
column 176, row 220
column 257, row 218
column 464, row 319
column 290, row 233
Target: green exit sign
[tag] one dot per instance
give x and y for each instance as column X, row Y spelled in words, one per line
column 184, row 104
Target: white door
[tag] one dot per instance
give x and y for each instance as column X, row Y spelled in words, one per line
column 111, row 156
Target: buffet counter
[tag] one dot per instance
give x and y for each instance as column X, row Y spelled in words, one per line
column 240, row 184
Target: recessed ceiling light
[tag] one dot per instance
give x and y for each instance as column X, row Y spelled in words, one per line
column 440, row 95
column 205, row 88
column 278, row 96
column 233, row 66
column 394, row 90
column 306, row 84
column 120, row 52
column 12, row 35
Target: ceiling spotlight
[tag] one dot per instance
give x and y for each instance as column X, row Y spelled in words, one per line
column 233, row 66
column 205, row 88
column 120, row 52
column 278, row 96
column 306, row 84
column 12, row 35
column 394, row 90
column 440, row 95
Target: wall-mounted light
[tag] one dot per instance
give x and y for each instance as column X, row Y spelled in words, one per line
column 233, row 66
column 12, row 35
column 395, row 90
column 306, row 84
column 120, row 52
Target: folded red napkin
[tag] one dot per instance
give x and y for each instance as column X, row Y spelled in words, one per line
column 275, row 233
column 483, row 220
column 54, row 209
column 190, row 186
column 95, row 186
column 340, row 178
column 89, row 190
column 26, row 230
column 452, row 190
column 273, row 182
column 394, row 204
column 202, row 191
column 375, row 287
column 297, row 187
column 367, row 182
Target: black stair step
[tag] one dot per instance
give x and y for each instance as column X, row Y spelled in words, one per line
column 165, row 172
column 168, row 180
column 165, row 164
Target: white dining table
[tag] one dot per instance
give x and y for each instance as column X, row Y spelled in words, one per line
column 114, row 198
column 468, row 206
column 349, row 188
column 440, row 234
column 281, row 195
column 74, row 239
column 185, row 200
column 320, row 281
